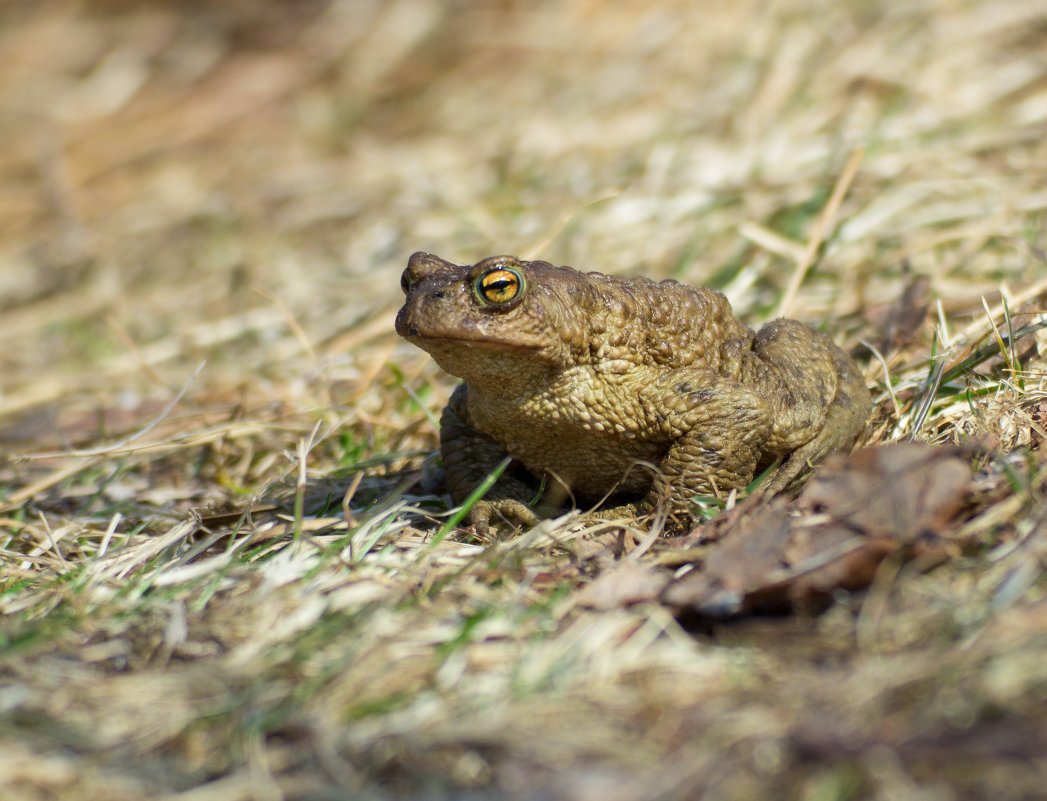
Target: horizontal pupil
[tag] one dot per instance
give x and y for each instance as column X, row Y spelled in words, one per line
column 499, row 286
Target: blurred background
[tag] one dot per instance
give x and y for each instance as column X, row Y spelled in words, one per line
column 242, row 182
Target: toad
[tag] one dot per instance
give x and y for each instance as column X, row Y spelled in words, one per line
column 624, row 390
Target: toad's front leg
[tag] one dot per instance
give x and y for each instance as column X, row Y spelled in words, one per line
column 717, row 430
column 469, row 457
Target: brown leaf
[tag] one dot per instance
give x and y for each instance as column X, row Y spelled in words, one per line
column 897, row 491
column 859, row 509
column 827, row 559
column 736, row 566
column 627, row 583
column 901, row 321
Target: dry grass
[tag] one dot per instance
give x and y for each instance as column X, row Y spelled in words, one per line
column 233, row 583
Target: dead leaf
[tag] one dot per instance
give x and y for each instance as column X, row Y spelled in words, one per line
column 858, row 509
column 213, row 518
column 897, row 491
column 901, row 321
column 611, row 543
column 627, row 583
column 738, row 564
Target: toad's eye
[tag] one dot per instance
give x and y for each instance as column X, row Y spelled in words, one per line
column 499, row 286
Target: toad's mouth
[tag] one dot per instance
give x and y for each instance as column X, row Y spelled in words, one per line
column 450, row 342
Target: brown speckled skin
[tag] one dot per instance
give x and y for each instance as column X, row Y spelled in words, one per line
column 621, row 387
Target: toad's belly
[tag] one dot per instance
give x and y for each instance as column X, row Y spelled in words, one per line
column 595, row 437
column 591, row 466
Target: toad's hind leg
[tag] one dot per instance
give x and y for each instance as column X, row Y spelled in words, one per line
column 844, row 423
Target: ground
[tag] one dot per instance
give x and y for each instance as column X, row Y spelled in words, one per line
column 228, row 570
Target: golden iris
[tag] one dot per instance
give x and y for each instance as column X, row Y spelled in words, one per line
column 499, row 286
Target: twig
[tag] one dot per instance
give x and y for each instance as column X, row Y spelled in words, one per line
column 843, row 183
column 106, row 449
column 538, row 247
